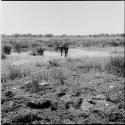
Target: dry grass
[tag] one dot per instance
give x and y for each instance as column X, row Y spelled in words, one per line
column 15, row 72
column 116, row 65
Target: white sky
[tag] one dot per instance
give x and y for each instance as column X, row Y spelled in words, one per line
column 63, row 17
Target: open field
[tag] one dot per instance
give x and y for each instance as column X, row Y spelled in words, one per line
column 87, row 87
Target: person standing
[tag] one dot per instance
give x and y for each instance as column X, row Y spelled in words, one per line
column 66, row 48
column 60, row 48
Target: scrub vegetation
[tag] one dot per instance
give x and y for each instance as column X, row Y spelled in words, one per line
column 85, row 90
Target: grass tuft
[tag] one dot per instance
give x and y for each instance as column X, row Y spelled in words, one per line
column 16, row 72
column 115, row 65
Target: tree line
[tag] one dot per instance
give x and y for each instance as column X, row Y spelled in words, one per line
column 64, row 35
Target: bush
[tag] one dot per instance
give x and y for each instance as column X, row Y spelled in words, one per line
column 3, row 56
column 116, row 65
column 33, row 53
column 53, row 62
column 40, row 51
column 7, row 49
column 50, row 45
column 114, row 43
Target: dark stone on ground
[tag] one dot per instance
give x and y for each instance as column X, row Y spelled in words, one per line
column 9, row 94
column 43, row 104
column 61, row 94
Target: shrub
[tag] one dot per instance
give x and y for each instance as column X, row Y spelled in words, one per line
column 116, row 65
column 3, row 56
column 40, row 51
column 114, row 43
column 53, row 62
column 50, row 45
column 7, row 49
column 33, row 53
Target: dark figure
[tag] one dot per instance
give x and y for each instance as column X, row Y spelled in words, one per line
column 66, row 48
column 61, row 49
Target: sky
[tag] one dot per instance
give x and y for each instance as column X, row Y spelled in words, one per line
column 62, row 17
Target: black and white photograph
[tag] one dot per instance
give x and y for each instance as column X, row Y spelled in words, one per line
column 62, row 62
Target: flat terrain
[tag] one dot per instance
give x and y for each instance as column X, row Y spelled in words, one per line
column 51, row 89
column 25, row 57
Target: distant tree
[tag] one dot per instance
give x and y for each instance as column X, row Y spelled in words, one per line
column 40, row 35
column 90, row 35
column 16, row 35
column 34, row 35
column 48, row 35
column 63, row 35
column 4, row 35
column 23, row 35
column 123, row 34
column 29, row 35
column 95, row 35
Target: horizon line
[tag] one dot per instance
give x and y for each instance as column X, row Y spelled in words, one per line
column 60, row 34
